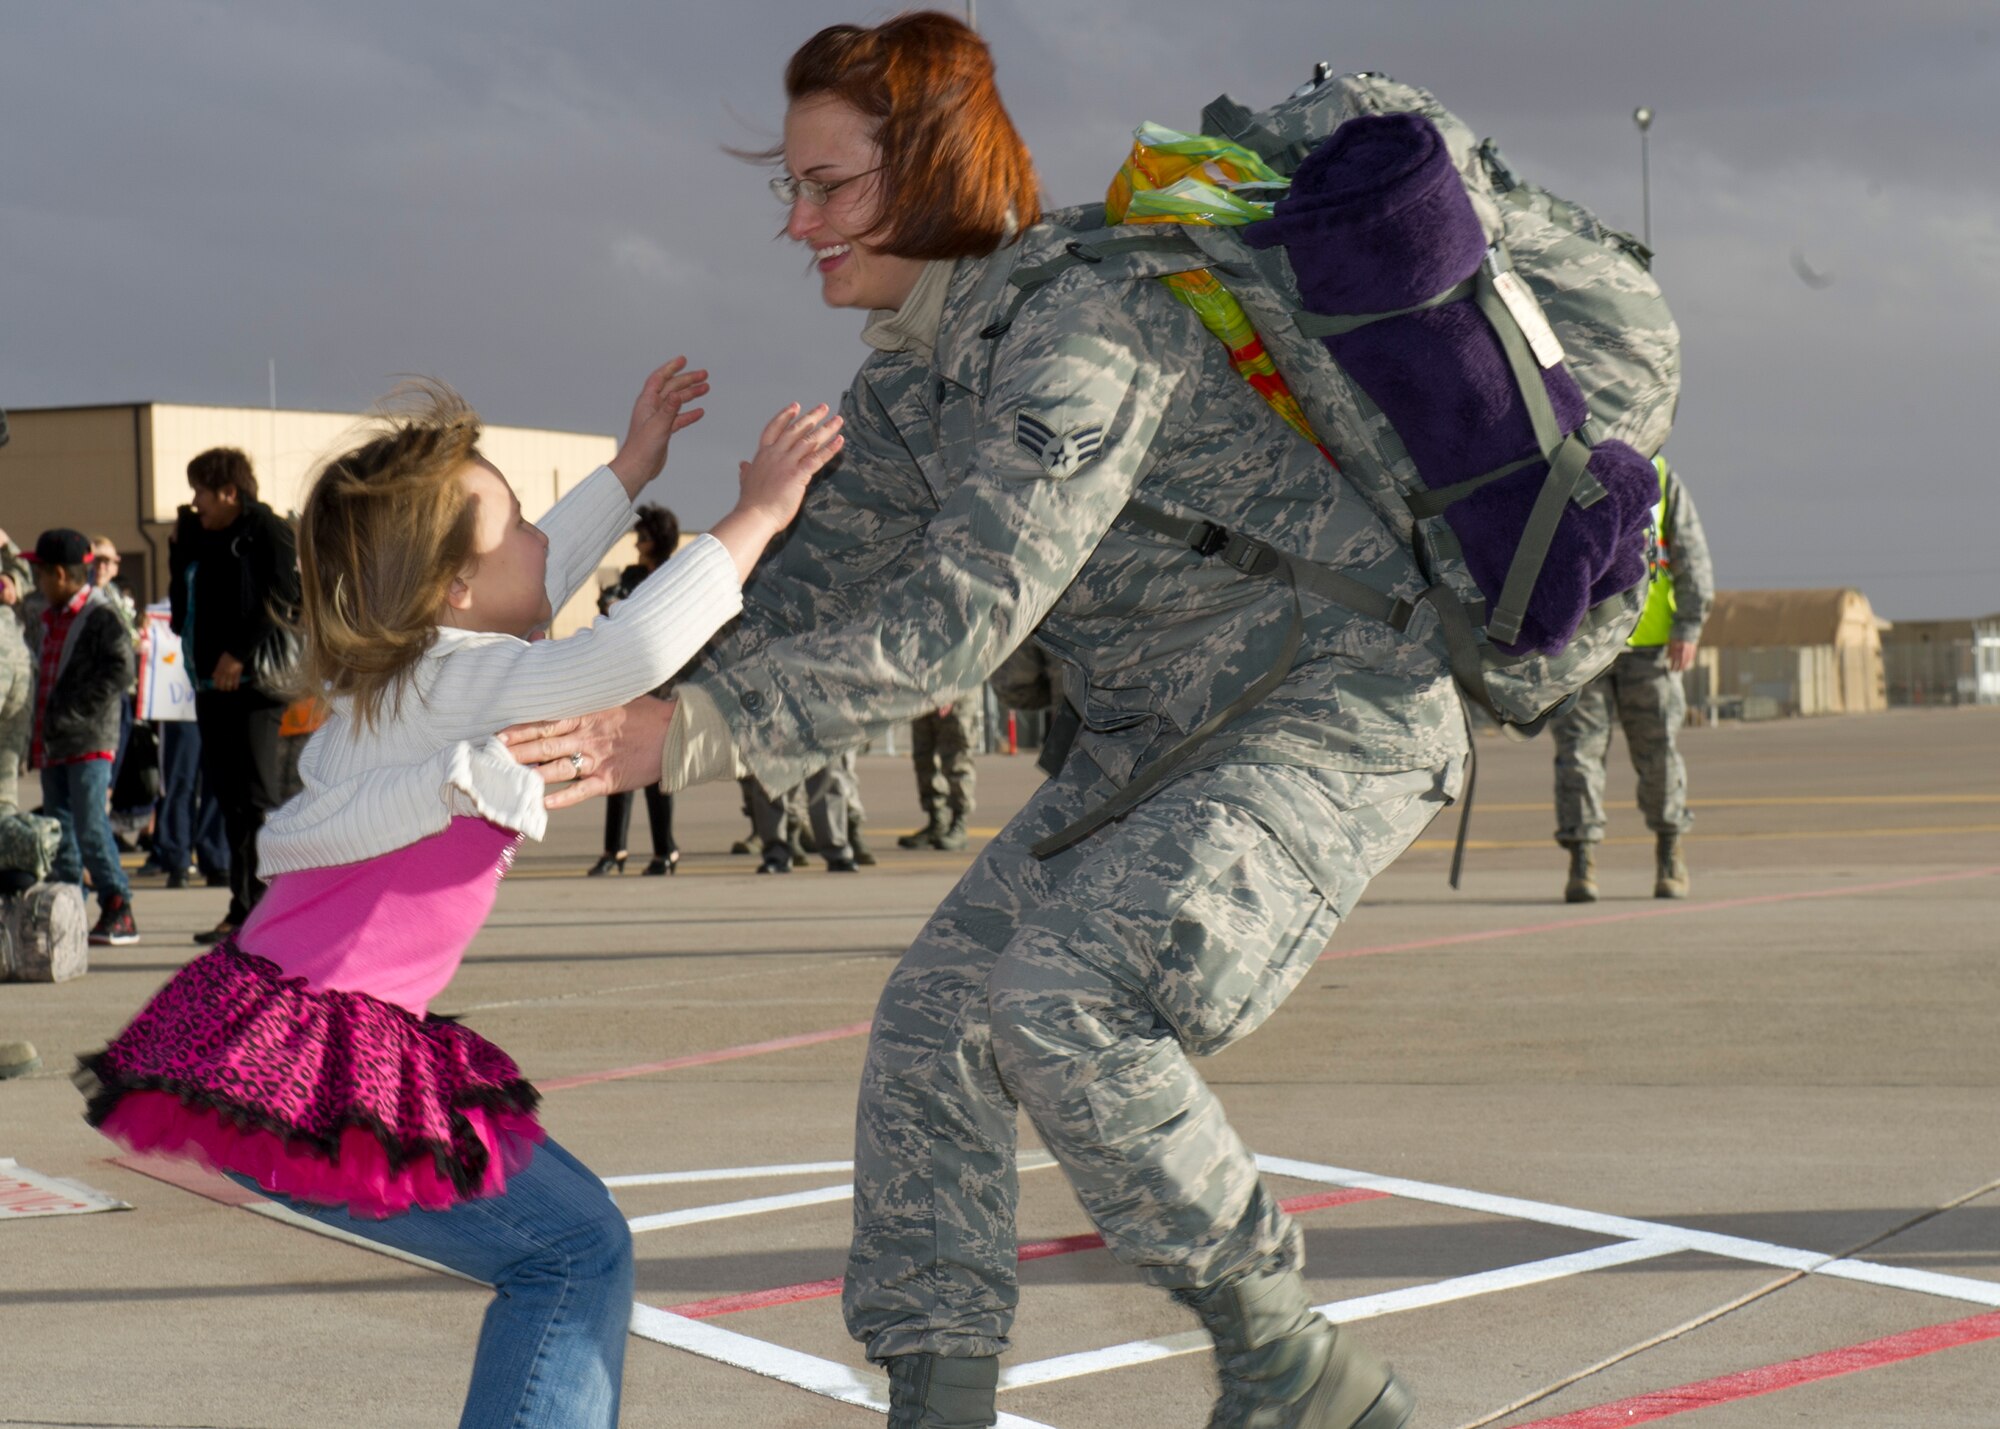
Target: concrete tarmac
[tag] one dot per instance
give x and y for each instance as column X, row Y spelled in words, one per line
column 1527, row 1138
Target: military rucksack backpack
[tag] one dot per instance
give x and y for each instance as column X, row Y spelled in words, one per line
column 48, row 934
column 1563, row 295
column 1560, row 290
column 28, row 846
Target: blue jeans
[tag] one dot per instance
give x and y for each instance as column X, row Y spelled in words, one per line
column 190, row 820
column 73, row 795
column 559, row 1258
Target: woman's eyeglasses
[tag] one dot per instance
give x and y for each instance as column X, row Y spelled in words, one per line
column 788, row 190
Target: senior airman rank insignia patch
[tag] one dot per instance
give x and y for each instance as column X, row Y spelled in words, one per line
column 1061, row 454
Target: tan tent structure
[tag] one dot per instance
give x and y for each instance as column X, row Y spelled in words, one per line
column 1791, row 652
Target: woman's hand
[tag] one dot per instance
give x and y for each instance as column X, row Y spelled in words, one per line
column 656, row 416
column 615, row 750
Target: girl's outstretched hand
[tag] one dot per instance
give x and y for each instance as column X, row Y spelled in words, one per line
column 794, row 445
column 656, row 416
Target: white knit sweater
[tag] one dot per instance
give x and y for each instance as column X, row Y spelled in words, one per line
column 432, row 755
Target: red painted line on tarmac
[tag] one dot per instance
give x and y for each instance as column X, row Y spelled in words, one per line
column 1672, row 911
column 704, row 1059
column 859, row 1029
column 1033, row 1250
column 1769, row 1379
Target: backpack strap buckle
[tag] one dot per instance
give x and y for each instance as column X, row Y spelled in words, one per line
column 1209, row 539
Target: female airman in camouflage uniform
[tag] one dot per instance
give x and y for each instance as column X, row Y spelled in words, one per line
column 991, row 449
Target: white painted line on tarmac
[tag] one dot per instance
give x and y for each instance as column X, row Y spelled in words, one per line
column 1928, row 1282
column 1757, row 1252
column 732, row 1173
column 1363, row 1307
column 794, row 1367
column 1034, row 1161
column 730, row 1209
column 285, row 1215
column 1488, row 1282
column 759, row 1205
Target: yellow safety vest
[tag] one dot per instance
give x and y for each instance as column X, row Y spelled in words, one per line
column 1656, row 622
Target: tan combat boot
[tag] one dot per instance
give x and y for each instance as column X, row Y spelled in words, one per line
column 1670, row 868
column 936, row 1392
column 1285, row 1367
column 1582, row 885
column 928, row 835
column 954, row 836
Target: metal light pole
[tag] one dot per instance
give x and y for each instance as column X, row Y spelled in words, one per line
column 1643, row 117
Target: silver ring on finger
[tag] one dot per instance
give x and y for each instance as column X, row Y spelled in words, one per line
column 576, row 762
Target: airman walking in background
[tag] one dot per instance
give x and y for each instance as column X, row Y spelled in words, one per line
column 1642, row 692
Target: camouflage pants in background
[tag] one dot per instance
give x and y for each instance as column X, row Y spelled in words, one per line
column 1650, row 705
column 16, row 713
column 1078, row 989
column 833, row 798
column 941, row 747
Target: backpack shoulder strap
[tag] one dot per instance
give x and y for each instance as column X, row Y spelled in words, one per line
column 1119, row 254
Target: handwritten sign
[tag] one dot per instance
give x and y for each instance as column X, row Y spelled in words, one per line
column 165, row 691
column 25, row 1193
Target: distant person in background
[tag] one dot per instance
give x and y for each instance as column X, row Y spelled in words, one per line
column 187, row 822
column 17, row 678
column 941, row 745
column 188, row 832
column 658, row 536
column 133, row 793
column 83, row 662
column 1642, row 691
column 235, row 575
column 833, row 801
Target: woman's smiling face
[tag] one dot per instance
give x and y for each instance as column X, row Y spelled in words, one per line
column 830, row 142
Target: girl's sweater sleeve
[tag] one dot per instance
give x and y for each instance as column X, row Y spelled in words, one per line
column 581, row 528
column 486, row 683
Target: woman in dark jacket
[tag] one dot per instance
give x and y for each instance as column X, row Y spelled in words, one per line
column 658, row 534
column 235, row 580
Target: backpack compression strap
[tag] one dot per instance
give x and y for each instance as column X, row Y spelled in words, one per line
column 1254, row 557
column 1568, row 455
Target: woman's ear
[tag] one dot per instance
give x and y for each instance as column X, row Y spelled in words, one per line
column 458, row 595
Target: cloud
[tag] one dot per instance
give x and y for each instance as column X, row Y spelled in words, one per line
column 535, row 203
column 636, row 253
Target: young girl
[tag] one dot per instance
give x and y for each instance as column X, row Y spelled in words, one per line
column 298, row 1057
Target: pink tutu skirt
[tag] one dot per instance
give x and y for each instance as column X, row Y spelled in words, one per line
column 336, row 1098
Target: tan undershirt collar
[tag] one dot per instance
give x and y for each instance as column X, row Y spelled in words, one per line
column 914, row 326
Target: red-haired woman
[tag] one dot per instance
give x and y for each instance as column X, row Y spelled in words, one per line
column 1251, row 755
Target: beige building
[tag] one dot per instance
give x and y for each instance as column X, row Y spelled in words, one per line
column 1943, row 662
column 1789, row 652
column 121, row 471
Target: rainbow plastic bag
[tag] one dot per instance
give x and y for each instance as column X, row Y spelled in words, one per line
column 1171, row 177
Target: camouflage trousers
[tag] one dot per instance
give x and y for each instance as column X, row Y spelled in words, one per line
column 1079, row 989
column 941, row 747
column 16, row 713
column 1650, row 705
column 833, row 798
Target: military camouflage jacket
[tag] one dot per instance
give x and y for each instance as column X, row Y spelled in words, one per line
column 1687, row 551
column 977, row 498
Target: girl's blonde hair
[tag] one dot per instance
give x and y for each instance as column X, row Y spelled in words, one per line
column 385, row 530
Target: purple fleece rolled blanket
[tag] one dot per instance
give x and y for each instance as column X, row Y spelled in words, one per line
column 1378, row 219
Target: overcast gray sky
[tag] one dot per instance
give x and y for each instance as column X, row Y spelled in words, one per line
column 532, row 202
